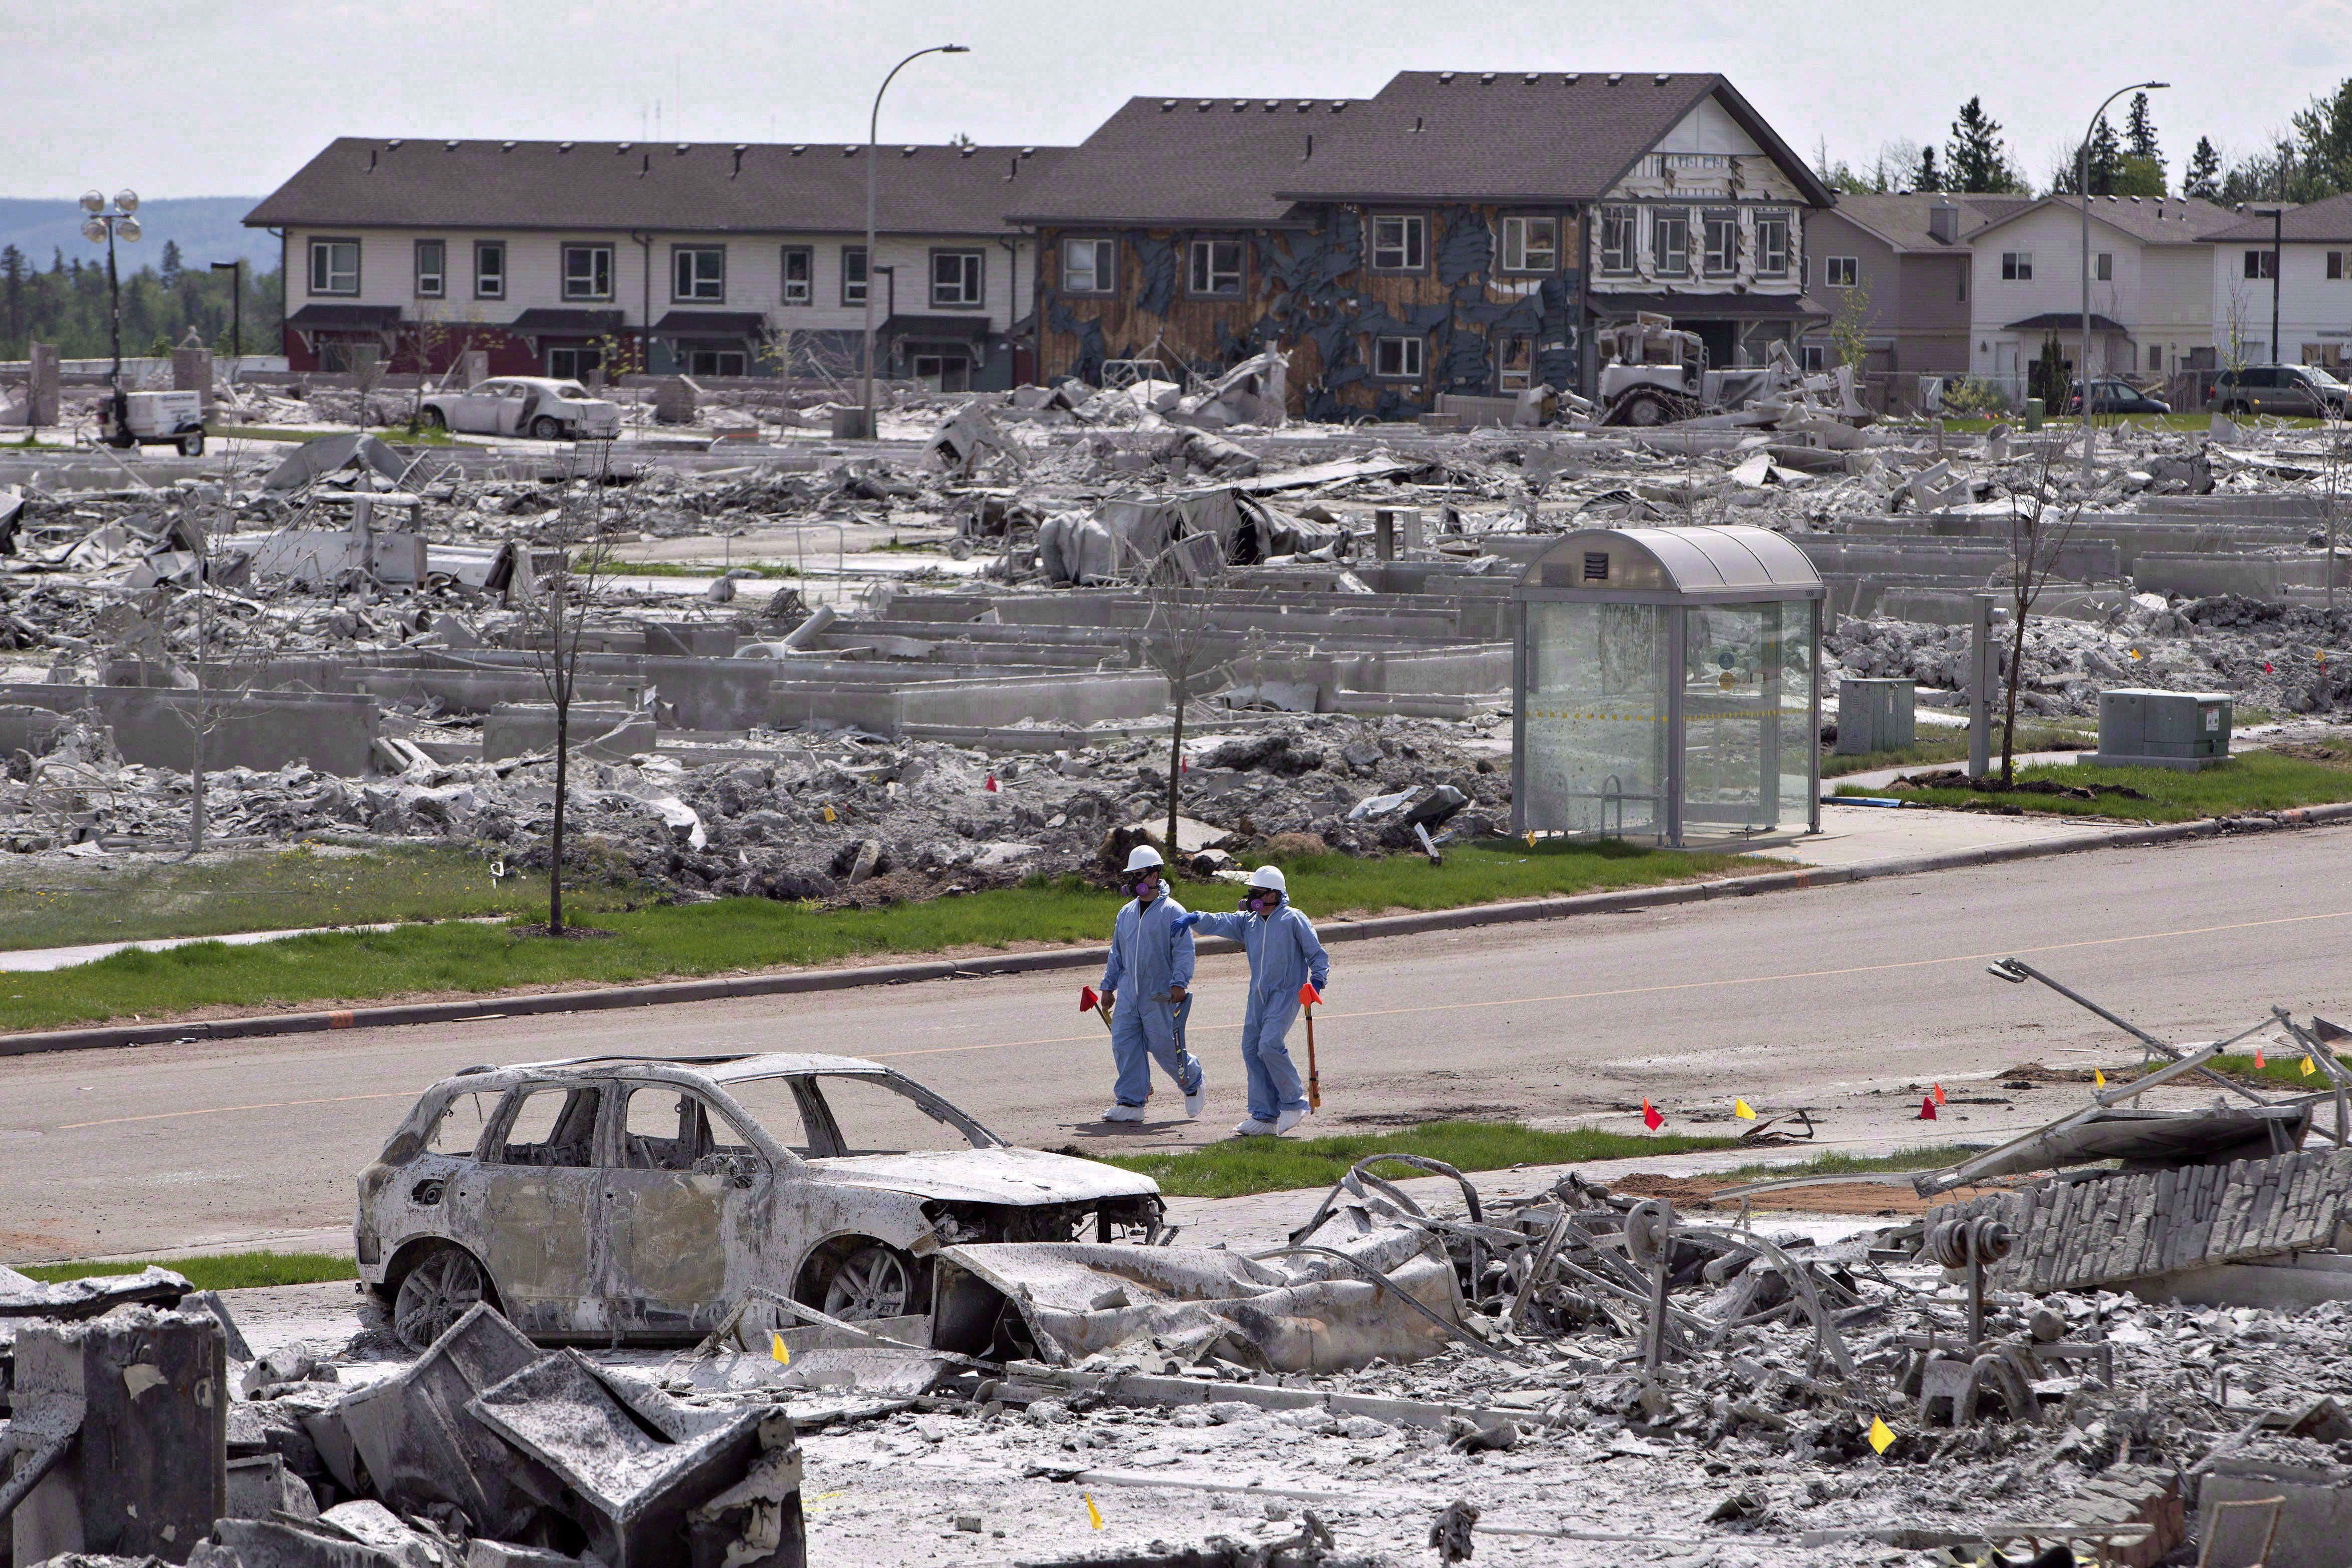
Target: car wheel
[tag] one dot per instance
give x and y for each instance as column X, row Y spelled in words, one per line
column 437, row 1290
column 872, row 1282
column 547, row 427
column 193, row 444
column 431, row 418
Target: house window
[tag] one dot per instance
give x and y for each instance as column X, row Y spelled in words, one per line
column 2334, row 264
column 575, row 361
column 2017, row 266
column 1670, row 241
column 1721, row 231
column 1400, row 243
column 1088, row 266
column 1215, row 267
column 698, row 273
column 714, row 361
column 2156, row 355
column 1772, row 243
column 955, row 280
column 1398, row 359
column 1530, row 245
column 1617, row 240
column 334, row 267
column 852, row 275
column 1817, row 359
column 587, row 272
column 1516, row 365
column 432, row 268
column 490, row 269
column 2103, row 265
column 1841, row 271
column 2261, row 264
column 799, row 285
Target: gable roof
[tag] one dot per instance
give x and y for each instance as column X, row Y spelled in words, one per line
column 2325, row 220
column 1900, row 218
column 702, row 187
column 2170, row 220
column 1522, row 136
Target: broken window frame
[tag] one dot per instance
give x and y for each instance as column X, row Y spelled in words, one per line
column 2017, row 266
column 1405, row 245
column 1516, row 229
column 1205, row 279
column 968, row 284
column 490, row 269
column 691, row 281
column 1620, row 241
column 1515, row 363
column 801, row 290
column 432, row 276
column 1773, row 229
column 1102, row 265
column 856, row 274
column 1670, row 241
column 324, row 270
column 1411, row 357
column 599, row 272
column 1723, row 224
column 502, row 1123
column 1841, row 271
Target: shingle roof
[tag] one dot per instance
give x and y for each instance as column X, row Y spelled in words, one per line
column 2169, row 220
column 1900, row 218
column 361, row 181
column 1427, row 136
column 2325, row 220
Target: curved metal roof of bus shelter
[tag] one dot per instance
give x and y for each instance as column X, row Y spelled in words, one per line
column 1729, row 564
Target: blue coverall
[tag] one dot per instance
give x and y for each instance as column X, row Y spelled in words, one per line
column 1283, row 951
column 1150, row 952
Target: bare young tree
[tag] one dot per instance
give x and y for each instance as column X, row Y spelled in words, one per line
column 1179, row 636
column 2039, row 527
column 2335, row 449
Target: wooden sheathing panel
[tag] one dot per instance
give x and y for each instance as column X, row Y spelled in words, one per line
column 1313, row 293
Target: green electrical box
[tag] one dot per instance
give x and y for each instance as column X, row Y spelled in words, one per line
column 2034, row 413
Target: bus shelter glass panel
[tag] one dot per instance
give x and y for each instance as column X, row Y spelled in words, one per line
column 1596, row 718
column 1747, row 700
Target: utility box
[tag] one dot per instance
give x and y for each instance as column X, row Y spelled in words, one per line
column 2144, row 728
column 1875, row 715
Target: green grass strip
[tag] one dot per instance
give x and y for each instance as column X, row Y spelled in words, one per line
column 2252, row 781
column 228, row 1271
column 1925, row 1157
column 1239, row 1166
column 1940, row 748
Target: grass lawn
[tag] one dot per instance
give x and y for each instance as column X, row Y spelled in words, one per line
column 1940, row 747
column 2283, row 1066
column 398, row 434
column 1241, row 1166
column 1925, row 1157
column 2252, row 781
column 616, row 566
column 229, row 1272
column 741, row 936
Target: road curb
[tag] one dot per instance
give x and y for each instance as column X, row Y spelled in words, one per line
column 1521, row 912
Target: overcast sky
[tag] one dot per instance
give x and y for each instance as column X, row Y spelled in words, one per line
column 195, row 98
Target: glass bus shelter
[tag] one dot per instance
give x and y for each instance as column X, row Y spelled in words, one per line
column 1667, row 685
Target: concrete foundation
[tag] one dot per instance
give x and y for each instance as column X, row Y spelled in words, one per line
column 263, row 730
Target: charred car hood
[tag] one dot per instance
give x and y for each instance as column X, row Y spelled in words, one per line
column 1009, row 1175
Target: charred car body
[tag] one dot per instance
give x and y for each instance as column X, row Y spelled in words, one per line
column 627, row 1198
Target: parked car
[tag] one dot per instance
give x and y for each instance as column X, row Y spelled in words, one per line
column 621, row 1198
column 542, row 407
column 2115, row 397
column 2303, row 392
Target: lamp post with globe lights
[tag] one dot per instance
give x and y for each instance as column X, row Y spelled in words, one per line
column 103, row 224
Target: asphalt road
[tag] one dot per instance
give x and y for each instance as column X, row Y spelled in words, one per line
column 1843, row 1000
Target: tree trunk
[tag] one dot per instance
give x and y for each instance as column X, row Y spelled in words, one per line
column 555, row 846
column 196, row 776
column 1175, row 768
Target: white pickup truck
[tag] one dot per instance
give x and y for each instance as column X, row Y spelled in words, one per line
column 541, row 407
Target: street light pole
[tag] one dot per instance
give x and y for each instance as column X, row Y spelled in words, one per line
column 2082, row 186
column 102, row 224
column 236, row 269
column 873, row 131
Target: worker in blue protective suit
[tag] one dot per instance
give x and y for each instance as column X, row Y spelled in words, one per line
column 1283, row 952
column 1151, row 958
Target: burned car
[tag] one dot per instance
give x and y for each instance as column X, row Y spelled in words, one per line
column 618, row 1198
column 542, row 407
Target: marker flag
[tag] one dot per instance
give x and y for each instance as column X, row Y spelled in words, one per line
column 1650, row 1118
column 2098, row 1078
column 2309, row 1067
column 2259, row 1063
column 1307, row 995
column 1939, row 1093
column 1531, row 837
column 1087, row 1001
column 1882, row 1435
column 990, row 784
column 1743, row 1109
column 829, row 815
column 778, row 1350
column 1092, row 1513
column 1927, row 1107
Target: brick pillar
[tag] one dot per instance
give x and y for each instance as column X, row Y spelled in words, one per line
column 192, row 370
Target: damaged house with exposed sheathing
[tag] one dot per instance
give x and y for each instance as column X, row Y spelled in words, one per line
column 1458, row 233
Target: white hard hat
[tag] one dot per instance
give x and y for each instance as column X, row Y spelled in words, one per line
column 1143, row 858
column 1269, row 876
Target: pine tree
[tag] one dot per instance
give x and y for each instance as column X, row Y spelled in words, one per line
column 2203, row 179
column 2324, row 142
column 1929, row 177
column 13, row 273
column 170, row 272
column 1975, row 157
column 2107, row 159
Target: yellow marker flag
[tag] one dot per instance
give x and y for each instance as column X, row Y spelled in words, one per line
column 2098, row 1078
column 1531, row 837
column 778, row 1349
column 1882, row 1435
column 1092, row 1513
column 2309, row 1067
column 828, row 814
column 1743, row 1109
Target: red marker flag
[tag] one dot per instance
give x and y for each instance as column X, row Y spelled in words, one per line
column 1940, row 1093
column 1087, row 1001
column 1927, row 1107
column 1650, row 1117
column 1307, row 995
column 2258, row 1059
column 990, row 785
